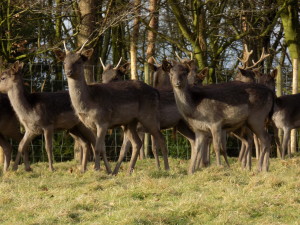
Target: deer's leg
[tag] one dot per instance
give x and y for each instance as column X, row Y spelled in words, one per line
column 125, row 146
column 136, row 145
column 197, row 151
column 6, row 147
column 23, row 150
column 142, row 138
column 257, row 146
column 242, row 152
column 85, row 146
column 217, row 142
column 155, row 153
column 223, row 149
column 264, row 138
column 48, row 133
column 285, row 141
column 100, row 148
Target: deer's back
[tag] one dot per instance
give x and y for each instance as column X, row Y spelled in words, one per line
column 230, row 104
column 53, row 108
column 121, row 102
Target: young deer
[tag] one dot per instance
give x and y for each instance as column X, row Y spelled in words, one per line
column 41, row 113
column 9, row 128
column 223, row 107
column 116, row 73
column 103, row 106
column 161, row 78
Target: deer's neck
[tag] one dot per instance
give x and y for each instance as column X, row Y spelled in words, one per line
column 19, row 100
column 184, row 101
column 79, row 94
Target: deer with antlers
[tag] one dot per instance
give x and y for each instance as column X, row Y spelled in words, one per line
column 103, row 106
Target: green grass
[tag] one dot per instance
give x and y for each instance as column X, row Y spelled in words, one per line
column 215, row 195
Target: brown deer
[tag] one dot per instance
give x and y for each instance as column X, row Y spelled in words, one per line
column 116, row 73
column 169, row 115
column 103, row 106
column 161, row 78
column 9, row 128
column 247, row 73
column 286, row 115
column 223, row 107
column 41, row 113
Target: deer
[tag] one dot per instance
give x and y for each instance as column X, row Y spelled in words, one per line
column 161, row 78
column 41, row 113
column 103, row 106
column 9, row 128
column 222, row 107
column 286, row 114
column 116, row 73
column 248, row 74
column 169, row 114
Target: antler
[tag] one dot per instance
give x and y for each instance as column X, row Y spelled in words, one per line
column 154, row 60
column 246, row 58
column 83, row 46
column 104, row 67
column 65, row 46
column 116, row 67
column 262, row 57
column 180, row 59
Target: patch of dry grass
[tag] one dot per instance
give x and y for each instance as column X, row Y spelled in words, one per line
column 216, row 195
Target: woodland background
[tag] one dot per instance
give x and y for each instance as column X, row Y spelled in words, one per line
column 214, row 32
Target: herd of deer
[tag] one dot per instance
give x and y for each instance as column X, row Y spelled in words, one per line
column 201, row 113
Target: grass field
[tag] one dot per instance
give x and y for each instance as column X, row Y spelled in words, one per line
column 215, row 195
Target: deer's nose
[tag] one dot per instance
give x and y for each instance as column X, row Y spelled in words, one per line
column 178, row 83
column 68, row 72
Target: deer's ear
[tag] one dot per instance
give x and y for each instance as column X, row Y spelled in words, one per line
column 60, row 55
column 274, row 73
column 125, row 67
column 243, row 72
column 153, row 67
column 203, row 73
column 87, row 54
column 166, row 65
column 17, row 66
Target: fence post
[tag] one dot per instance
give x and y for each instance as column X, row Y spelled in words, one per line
column 295, row 91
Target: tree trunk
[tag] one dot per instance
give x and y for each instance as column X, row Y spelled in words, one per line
column 278, row 94
column 295, row 91
column 152, row 36
column 134, row 41
column 86, row 28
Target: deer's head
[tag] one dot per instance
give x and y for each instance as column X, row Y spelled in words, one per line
column 116, row 73
column 10, row 76
column 183, row 74
column 246, row 76
column 268, row 80
column 73, row 61
column 178, row 73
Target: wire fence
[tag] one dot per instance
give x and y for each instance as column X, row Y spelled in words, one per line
column 50, row 78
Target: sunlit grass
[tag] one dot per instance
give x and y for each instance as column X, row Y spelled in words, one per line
column 215, row 195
